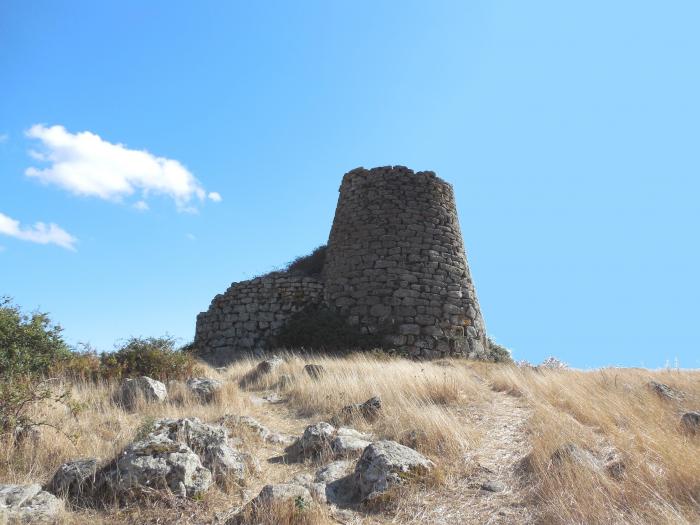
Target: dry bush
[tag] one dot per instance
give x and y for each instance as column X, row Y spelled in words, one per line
column 656, row 477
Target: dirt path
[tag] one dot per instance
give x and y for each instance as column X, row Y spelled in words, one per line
column 494, row 461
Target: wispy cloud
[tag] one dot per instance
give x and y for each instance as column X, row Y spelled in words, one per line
column 40, row 233
column 141, row 205
column 4, row 137
column 85, row 164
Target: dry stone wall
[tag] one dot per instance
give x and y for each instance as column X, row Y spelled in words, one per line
column 395, row 265
column 242, row 319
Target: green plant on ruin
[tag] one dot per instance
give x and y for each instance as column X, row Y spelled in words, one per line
column 310, row 265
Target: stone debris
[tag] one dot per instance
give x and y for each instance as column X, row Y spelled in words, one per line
column 369, row 410
column 231, row 422
column 349, row 442
column 666, row 391
column 264, row 368
column 283, row 494
column 323, row 440
column 134, row 389
column 314, row 371
column 607, row 460
column 691, row 422
column 493, row 486
column 386, row 463
column 313, row 443
column 28, row 504
column 204, row 387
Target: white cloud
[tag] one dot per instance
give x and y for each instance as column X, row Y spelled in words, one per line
column 141, row 205
column 85, row 164
column 190, row 236
column 40, row 233
column 215, row 196
column 4, row 137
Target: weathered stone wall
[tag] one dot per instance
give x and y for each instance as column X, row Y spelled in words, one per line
column 244, row 317
column 396, row 263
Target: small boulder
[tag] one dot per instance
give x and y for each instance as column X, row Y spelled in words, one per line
column 284, row 381
column 349, row 442
column 232, row 422
column 28, row 504
column 315, row 371
column 263, row 368
column 314, row 442
column 132, row 390
column 282, row 492
column 334, row 471
column 691, row 422
column 385, row 464
column 665, row 391
column 204, row 387
column 273, row 501
column 74, row 480
column 369, row 410
column 493, row 486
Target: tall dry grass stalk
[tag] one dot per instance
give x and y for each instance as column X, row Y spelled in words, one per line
column 614, row 415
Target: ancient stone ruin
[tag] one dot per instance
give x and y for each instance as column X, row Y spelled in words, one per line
column 395, row 266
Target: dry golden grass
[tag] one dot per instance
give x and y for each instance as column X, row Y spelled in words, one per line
column 440, row 408
column 656, row 467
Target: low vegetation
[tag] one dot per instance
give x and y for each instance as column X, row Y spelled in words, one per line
column 551, row 444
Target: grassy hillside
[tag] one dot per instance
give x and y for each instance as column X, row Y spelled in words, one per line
column 564, row 446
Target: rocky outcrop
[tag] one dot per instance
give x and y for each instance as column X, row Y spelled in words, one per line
column 385, row 464
column 75, row 480
column 209, row 442
column 143, row 388
column 666, row 392
column 154, row 463
column 182, row 456
column 28, row 504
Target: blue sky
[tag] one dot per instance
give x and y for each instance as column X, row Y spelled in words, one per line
column 568, row 129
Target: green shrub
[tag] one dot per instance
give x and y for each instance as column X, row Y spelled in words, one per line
column 80, row 365
column 29, row 343
column 497, row 353
column 308, row 265
column 30, row 346
column 155, row 357
column 318, row 328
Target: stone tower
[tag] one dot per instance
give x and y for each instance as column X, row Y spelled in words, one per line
column 396, row 263
column 395, row 266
